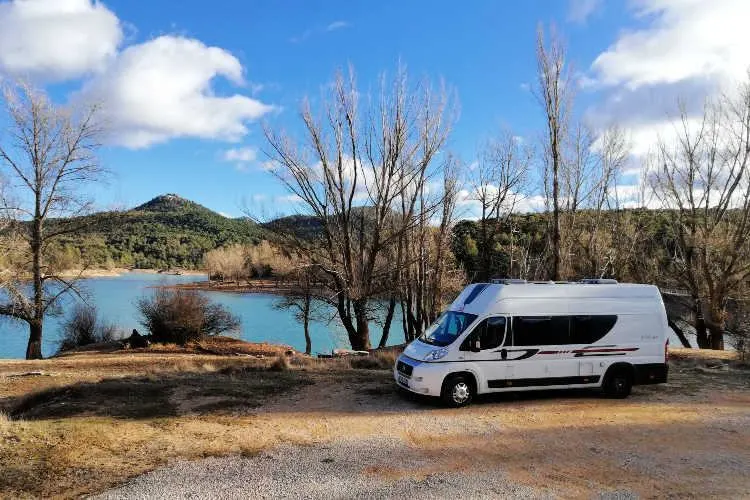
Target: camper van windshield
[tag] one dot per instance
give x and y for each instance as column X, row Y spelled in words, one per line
column 447, row 328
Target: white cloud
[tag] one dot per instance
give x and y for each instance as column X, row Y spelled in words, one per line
column 337, row 25
column 579, row 11
column 289, row 198
column 162, row 89
column 56, row 39
column 241, row 157
column 685, row 39
column 684, row 51
column 469, row 207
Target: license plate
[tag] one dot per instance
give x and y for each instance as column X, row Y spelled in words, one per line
column 403, row 381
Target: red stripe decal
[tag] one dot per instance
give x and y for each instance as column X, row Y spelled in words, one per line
column 625, row 349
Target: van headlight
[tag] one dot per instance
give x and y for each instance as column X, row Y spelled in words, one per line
column 436, row 354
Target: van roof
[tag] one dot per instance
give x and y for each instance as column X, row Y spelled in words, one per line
column 481, row 295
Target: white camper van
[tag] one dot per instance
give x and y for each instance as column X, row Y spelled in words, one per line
column 511, row 335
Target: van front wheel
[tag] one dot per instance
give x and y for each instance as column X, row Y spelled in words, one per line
column 618, row 384
column 457, row 391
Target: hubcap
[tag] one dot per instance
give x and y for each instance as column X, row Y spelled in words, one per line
column 460, row 392
column 619, row 384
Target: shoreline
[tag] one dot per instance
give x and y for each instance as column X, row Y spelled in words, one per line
column 249, row 286
column 120, row 271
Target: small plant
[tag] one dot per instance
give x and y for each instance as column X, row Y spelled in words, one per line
column 84, row 327
column 182, row 316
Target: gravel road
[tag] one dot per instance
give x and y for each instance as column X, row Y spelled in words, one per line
column 354, row 437
column 343, row 469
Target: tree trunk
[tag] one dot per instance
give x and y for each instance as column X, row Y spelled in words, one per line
column 715, row 326
column 701, row 335
column 717, row 337
column 308, row 341
column 680, row 334
column 360, row 339
column 34, row 348
column 387, row 322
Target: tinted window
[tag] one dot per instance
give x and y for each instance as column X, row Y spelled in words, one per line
column 490, row 332
column 589, row 329
column 541, row 330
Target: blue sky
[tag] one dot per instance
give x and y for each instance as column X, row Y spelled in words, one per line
column 189, row 84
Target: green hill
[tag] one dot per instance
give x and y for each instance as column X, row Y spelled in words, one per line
column 165, row 232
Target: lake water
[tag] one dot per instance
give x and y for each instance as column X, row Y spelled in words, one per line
column 115, row 299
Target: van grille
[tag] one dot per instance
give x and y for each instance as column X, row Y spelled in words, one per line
column 404, row 368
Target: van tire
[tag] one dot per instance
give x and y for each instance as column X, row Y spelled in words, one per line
column 618, row 382
column 458, row 390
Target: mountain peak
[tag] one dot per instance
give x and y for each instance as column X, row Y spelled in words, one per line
column 166, row 202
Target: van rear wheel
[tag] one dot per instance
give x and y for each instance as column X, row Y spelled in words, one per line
column 458, row 390
column 618, row 384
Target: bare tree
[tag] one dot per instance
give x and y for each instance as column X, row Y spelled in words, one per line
column 303, row 300
column 497, row 184
column 351, row 170
column 555, row 94
column 704, row 177
column 590, row 199
column 426, row 263
column 47, row 158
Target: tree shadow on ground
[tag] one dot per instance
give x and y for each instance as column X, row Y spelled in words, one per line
column 158, row 395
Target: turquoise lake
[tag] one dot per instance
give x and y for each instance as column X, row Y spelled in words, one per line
column 115, row 298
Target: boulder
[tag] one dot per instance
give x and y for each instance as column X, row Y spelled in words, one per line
column 136, row 340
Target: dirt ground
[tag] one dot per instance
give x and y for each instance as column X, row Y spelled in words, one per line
column 86, row 423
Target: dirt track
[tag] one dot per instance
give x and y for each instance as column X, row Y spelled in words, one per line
column 689, row 438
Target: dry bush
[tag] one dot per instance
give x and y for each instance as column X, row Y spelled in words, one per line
column 267, row 260
column 181, row 316
column 227, row 263
column 280, row 364
column 84, row 327
column 238, row 262
column 375, row 361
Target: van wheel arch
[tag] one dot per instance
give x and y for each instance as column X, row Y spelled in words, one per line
column 448, row 384
column 618, row 380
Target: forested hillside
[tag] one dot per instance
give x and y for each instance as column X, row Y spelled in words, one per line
column 163, row 233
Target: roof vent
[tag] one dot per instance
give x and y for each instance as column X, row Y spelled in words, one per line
column 598, row 281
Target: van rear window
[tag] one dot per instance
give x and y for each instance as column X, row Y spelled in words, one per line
column 589, row 329
column 561, row 330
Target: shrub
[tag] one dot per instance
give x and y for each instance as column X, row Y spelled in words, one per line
column 181, row 316
column 84, row 327
column 280, row 364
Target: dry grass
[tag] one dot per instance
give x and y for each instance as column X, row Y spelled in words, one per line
column 92, row 421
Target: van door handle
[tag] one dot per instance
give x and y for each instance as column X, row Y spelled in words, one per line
column 503, row 354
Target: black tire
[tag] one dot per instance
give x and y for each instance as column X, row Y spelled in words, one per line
column 458, row 390
column 618, row 383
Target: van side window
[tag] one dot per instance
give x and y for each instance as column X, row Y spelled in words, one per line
column 541, row 330
column 589, row 329
column 491, row 333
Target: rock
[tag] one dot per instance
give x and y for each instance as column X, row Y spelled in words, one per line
column 136, row 340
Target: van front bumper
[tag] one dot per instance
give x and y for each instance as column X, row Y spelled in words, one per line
column 419, row 377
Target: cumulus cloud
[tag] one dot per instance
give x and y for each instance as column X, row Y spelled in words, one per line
column 683, row 52
column 241, row 157
column 683, row 39
column 162, row 89
column 56, row 39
